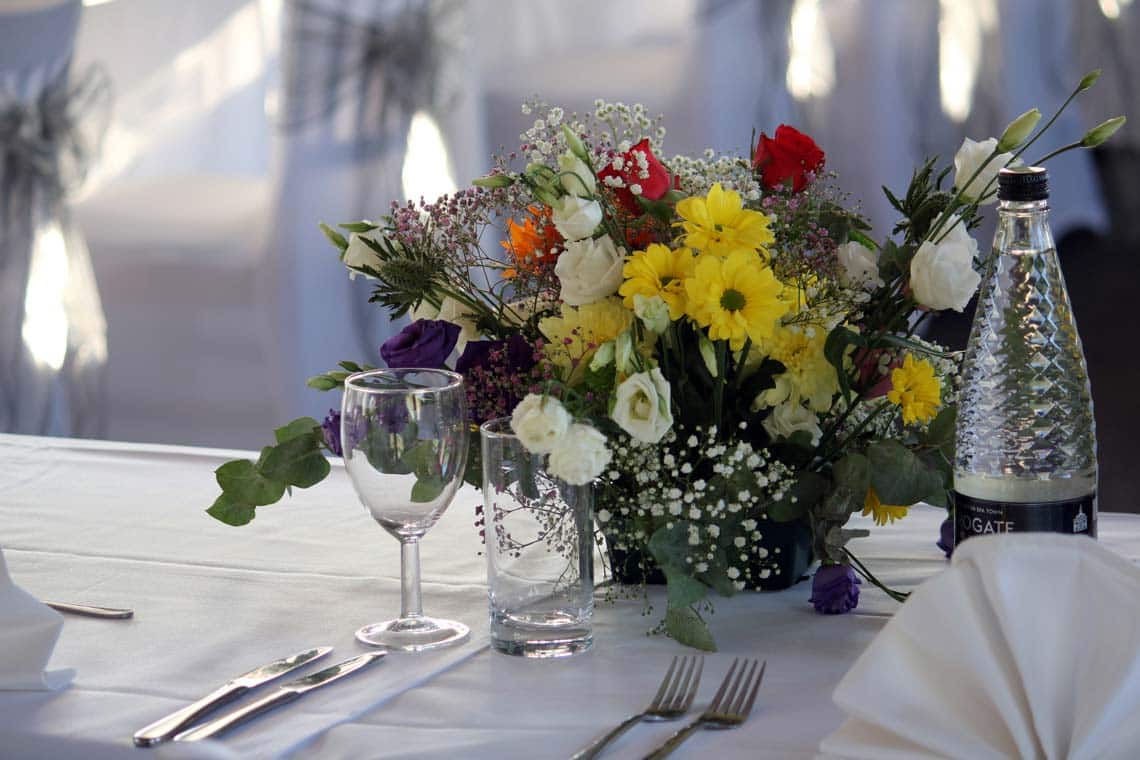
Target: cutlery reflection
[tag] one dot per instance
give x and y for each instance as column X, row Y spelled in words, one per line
column 164, row 728
column 286, row 693
column 107, row 613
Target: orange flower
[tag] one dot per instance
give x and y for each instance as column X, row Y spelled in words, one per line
column 533, row 244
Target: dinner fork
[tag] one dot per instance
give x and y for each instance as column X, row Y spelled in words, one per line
column 673, row 699
column 726, row 710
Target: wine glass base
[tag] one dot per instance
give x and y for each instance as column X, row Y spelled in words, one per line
column 413, row 634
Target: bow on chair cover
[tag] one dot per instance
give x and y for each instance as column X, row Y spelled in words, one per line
column 53, row 346
column 355, row 74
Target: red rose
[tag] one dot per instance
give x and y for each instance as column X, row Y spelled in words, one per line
column 790, row 155
column 638, row 167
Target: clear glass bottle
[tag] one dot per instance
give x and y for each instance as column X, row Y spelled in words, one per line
column 1025, row 457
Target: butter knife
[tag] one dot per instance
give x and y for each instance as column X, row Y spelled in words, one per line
column 165, row 728
column 284, row 694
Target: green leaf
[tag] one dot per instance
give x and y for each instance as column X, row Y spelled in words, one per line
column 358, row 226
column 670, row 545
column 427, row 489
column 853, row 472
column 422, row 460
column 231, row 511
column 862, row 239
column 242, row 482
column 683, row 590
column 835, row 351
column 323, row 383
column 295, row 429
column 297, row 462
column 686, row 626
column 841, row 502
column 898, row 476
column 940, row 431
column 901, row 342
column 804, row 494
column 335, row 237
column 660, row 210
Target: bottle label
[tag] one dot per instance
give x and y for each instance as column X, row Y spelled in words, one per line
column 976, row 517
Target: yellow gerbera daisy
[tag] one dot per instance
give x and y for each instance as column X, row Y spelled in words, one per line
column 574, row 336
column 736, row 298
column 719, row 224
column 884, row 513
column 658, row 271
column 915, row 388
column 808, row 374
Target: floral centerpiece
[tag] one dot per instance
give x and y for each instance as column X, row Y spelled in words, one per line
column 716, row 342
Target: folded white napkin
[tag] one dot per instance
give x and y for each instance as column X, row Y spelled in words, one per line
column 1028, row 645
column 28, row 632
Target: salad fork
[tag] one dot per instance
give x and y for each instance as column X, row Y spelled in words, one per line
column 725, row 711
column 673, row 699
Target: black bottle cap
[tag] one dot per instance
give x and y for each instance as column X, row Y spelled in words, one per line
column 1026, row 183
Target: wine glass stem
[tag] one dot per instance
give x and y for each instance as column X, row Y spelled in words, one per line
column 411, row 603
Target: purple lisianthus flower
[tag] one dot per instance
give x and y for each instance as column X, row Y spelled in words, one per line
column 946, row 537
column 425, row 343
column 331, row 430
column 835, row 589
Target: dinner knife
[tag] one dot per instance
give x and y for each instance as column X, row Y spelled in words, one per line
column 165, row 728
column 284, row 694
column 87, row 610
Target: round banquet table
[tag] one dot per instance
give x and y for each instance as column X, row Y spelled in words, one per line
column 123, row 525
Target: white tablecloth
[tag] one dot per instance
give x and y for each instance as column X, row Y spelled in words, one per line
column 123, row 525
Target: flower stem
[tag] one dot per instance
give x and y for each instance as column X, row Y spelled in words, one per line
column 898, row 596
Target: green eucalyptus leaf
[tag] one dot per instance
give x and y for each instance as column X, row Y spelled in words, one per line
column 683, row 590
column 243, row 482
column 940, row 431
column 297, row 462
column 231, row 511
column 323, row 383
column 422, row 460
column 427, row 489
column 853, row 471
column 299, row 427
column 898, row 476
column 686, row 626
column 801, row 496
column 670, row 545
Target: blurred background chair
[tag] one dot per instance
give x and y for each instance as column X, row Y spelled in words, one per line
column 52, row 333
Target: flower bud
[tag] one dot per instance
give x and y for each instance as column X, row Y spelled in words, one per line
column 623, row 353
column 1101, row 132
column 603, row 357
column 1018, row 129
column 575, row 144
column 708, row 354
column 653, row 312
column 494, row 180
column 1088, row 80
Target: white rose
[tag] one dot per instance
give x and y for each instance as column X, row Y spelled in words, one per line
column 967, row 160
column 539, row 422
column 642, row 406
column 860, row 266
column 589, row 270
column 580, row 456
column 788, row 417
column 942, row 276
column 575, row 218
column 576, row 177
column 653, row 312
column 359, row 254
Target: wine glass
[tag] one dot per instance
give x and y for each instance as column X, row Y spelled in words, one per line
column 404, row 433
